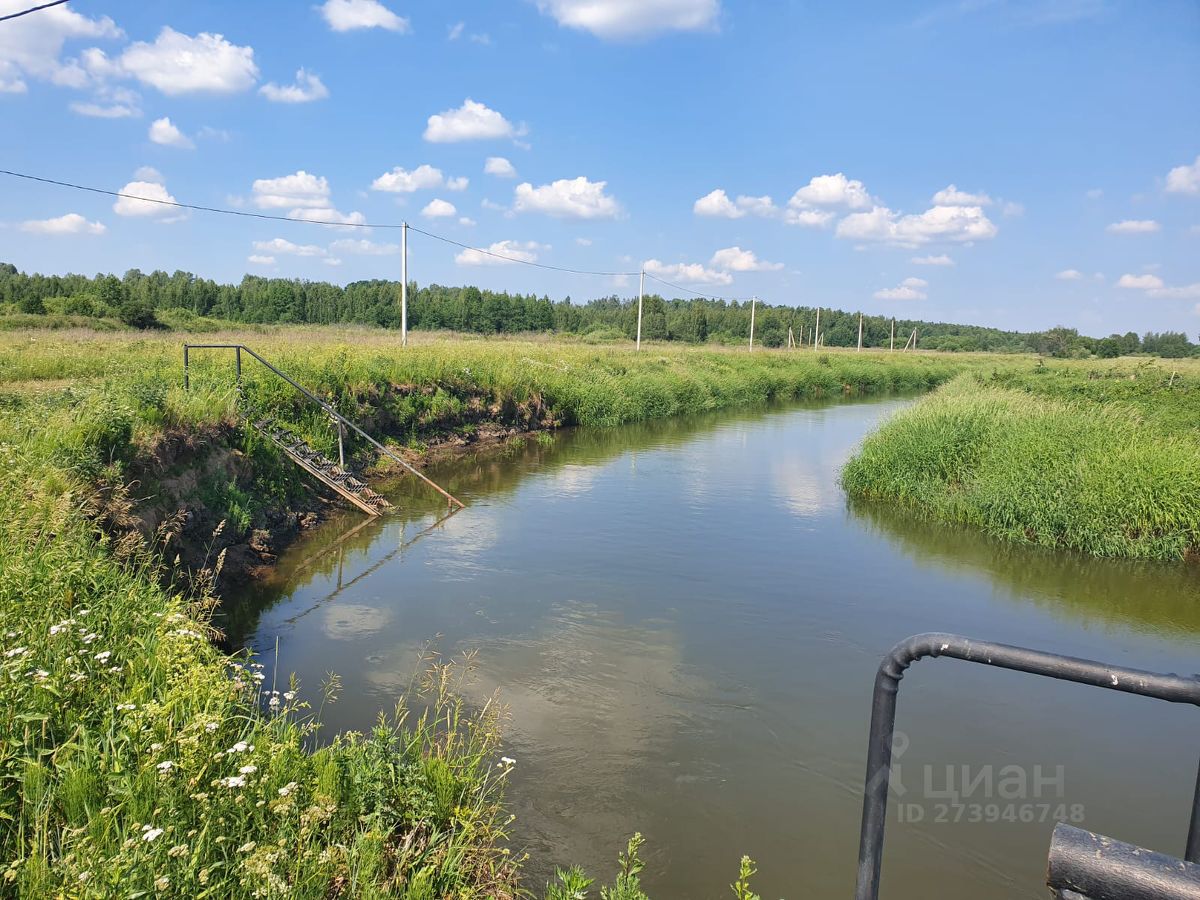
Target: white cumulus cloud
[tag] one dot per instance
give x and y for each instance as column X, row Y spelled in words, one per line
column 939, row 223
column 327, row 215
column 439, row 209
column 257, row 259
column 940, row 259
column 297, row 190
column 31, row 46
column 364, row 248
column 71, row 223
column 952, row 196
column 163, row 131
column 908, row 289
column 284, row 246
column 735, row 259
column 177, row 63
column 568, row 198
column 307, row 88
column 472, row 121
column 831, row 190
column 688, row 273
column 457, row 184
column 1182, row 292
column 500, row 167
column 1139, row 282
column 347, row 15
column 141, row 200
column 626, row 19
column 401, row 181
column 1133, row 226
column 1184, row 179
column 1069, row 275
column 718, row 204
column 500, row 253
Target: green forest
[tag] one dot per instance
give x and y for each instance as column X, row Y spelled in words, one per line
column 182, row 300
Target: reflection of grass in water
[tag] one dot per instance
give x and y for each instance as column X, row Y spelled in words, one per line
column 1104, row 477
column 1158, row 597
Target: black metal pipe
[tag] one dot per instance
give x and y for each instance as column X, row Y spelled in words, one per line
column 1192, row 854
column 1100, row 868
column 1172, row 688
column 187, row 385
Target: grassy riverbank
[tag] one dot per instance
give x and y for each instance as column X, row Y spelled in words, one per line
column 1099, row 458
column 136, row 756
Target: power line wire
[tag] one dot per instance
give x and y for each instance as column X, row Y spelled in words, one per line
column 680, row 287
column 32, row 9
column 382, row 225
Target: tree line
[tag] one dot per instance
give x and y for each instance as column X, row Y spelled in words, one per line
column 145, row 300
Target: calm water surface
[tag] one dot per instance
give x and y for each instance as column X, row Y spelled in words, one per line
column 685, row 620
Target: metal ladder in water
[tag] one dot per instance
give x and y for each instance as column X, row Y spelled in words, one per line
column 336, row 476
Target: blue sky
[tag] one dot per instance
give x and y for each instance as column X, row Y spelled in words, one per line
column 1022, row 164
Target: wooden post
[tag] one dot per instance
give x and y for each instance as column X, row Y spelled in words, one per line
column 892, row 339
column 404, row 284
column 817, row 330
column 791, row 339
column 860, row 332
column 641, row 294
column 341, row 446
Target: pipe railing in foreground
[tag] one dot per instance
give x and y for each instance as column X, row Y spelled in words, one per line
column 239, row 348
column 1172, row 688
column 1082, row 864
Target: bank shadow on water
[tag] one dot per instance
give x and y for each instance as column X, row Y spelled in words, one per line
column 1156, row 598
column 346, row 548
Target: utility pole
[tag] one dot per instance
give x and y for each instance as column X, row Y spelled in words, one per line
column 791, row 339
column 641, row 293
column 753, row 304
column 404, row 285
column 817, row 330
column 860, row 332
column 892, row 339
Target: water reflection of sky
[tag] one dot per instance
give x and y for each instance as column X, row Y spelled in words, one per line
column 684, row 621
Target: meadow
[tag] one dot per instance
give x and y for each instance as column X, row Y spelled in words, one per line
column 1098, row 457
column 139, row 758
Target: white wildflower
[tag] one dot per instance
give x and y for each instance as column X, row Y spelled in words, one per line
column 177, row 851
column 88, row 638
column 248, row 770
column 165, row 766
column 15, row 651
column 239, row 747
column 155, row 747
column 273, row 703
column 150, row 834
column 233, row 781
column 289, row 696
column 41, row 674
column 103, row 655
column 161, row 883
column 78, row 676
column 247, row 847
column 210, row 727
column 124, row 707
column 287, row 788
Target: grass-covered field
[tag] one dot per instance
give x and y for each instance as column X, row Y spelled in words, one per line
column 137, row 759
column 1097, row 457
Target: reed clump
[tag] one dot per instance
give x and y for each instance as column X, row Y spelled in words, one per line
column 1100, row 465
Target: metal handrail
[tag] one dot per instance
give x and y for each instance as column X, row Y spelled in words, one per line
column 315, row 399
column 1172, row 688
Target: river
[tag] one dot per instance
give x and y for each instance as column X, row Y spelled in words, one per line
column 685, row 620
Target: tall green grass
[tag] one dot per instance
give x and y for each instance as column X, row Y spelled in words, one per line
column 1043, row 465
column 136, row 759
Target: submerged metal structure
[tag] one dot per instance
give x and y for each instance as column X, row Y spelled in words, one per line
column 1082, row 865
column 335, row 476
